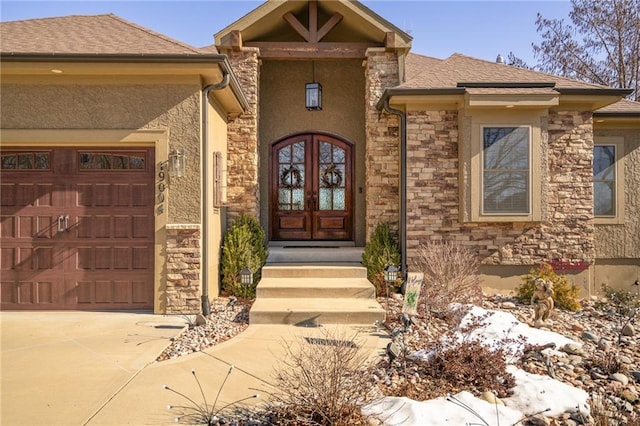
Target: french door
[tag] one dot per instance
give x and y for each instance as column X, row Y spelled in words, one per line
column 311, row 188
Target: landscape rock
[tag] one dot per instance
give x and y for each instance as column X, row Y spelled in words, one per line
column 628, row 330
column 619, row 377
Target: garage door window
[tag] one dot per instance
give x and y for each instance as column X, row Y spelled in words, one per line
column 26, row 161
column 120, row 161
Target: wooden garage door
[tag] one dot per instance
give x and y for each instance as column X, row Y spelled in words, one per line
column 77, row 228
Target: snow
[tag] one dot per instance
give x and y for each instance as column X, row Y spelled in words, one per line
column 502, row 329
column 532, row 393
column 440, row 412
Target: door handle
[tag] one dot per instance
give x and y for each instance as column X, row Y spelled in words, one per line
column 66, row 223
column 60, row 219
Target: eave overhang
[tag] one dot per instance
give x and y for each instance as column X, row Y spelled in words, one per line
column 211, row 68
column 507, row 95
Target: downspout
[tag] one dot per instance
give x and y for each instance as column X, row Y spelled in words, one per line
column 403, row 184
column 206, row 305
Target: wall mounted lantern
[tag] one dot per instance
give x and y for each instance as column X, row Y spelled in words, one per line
column 176, row 162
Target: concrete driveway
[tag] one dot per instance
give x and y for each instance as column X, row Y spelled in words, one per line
column 60, row 368
column 97, row 368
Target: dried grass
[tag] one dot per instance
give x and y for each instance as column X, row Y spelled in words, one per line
column 450, row 275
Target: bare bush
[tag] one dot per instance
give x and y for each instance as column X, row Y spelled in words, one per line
column 450, row 274
column 322, row 381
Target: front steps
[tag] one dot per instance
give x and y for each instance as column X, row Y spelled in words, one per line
column 311, row 295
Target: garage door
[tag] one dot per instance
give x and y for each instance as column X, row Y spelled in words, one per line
column 77, row 229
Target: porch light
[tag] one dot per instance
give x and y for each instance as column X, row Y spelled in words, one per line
column 246, row 277
column 313, row 96
column 390, row 274
column 176, row 162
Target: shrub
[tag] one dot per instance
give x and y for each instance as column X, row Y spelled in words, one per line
column 381, row 251
column 450, row 274
column 565, row 295
column 244, row 245
column 321, row 381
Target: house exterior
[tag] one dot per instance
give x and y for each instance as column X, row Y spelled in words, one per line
column 520, row 166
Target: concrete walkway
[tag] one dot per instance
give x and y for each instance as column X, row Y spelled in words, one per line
column 87, row 368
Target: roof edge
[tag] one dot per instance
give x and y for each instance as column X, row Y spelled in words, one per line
column 616, row 114
column 507, row 85
column 595, row 91
column 401, row 91
column 110, row 57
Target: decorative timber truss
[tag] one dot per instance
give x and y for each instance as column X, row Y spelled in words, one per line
column 313, row 46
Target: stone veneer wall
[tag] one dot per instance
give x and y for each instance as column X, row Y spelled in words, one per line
column 433, row 187
column 184, row 260
column 243, row 191
column 382, row 152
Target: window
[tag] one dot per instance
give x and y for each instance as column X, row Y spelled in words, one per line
column 505, row 170
column 26, row 161
column 502, row 165
column 608, row 176
column 604, row 180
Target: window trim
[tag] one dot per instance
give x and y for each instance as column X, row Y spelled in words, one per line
column 482, row 171
column 618, row 143
column 473, row 121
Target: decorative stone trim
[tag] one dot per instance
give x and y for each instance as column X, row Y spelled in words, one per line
column 382, row 152
column 184, row 262
column 243, row 191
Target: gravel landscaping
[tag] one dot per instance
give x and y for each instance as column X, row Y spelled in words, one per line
column 605, row 362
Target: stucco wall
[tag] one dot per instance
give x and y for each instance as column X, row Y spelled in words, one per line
column 282, row 112
column 623, row 240
column 126, row 103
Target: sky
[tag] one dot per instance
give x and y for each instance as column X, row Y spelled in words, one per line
column 482, row 29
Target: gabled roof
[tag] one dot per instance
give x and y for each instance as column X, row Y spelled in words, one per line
column 86, row 34
column 349, row 22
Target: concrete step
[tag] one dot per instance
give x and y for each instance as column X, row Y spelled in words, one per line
column 325, row 288
column 315, row 311
column 314, row 271
column 305, row 254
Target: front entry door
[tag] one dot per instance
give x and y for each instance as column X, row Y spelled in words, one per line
column 311, row 188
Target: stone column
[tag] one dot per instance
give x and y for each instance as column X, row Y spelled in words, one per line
column 382, row 159
column 243, row 191
column 184, row 261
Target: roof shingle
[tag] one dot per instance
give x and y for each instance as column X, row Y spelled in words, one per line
column 425, row 72
column 87, row 34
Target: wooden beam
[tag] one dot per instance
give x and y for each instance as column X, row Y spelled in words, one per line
column 296, row 25
column 235, row 38
column 302, row 50
column 313, row 21
column 329, row 25
column 390, row 40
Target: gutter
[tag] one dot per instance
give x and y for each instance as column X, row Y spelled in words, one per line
column 226, row 78
column 388, row 93
column 403, row 183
